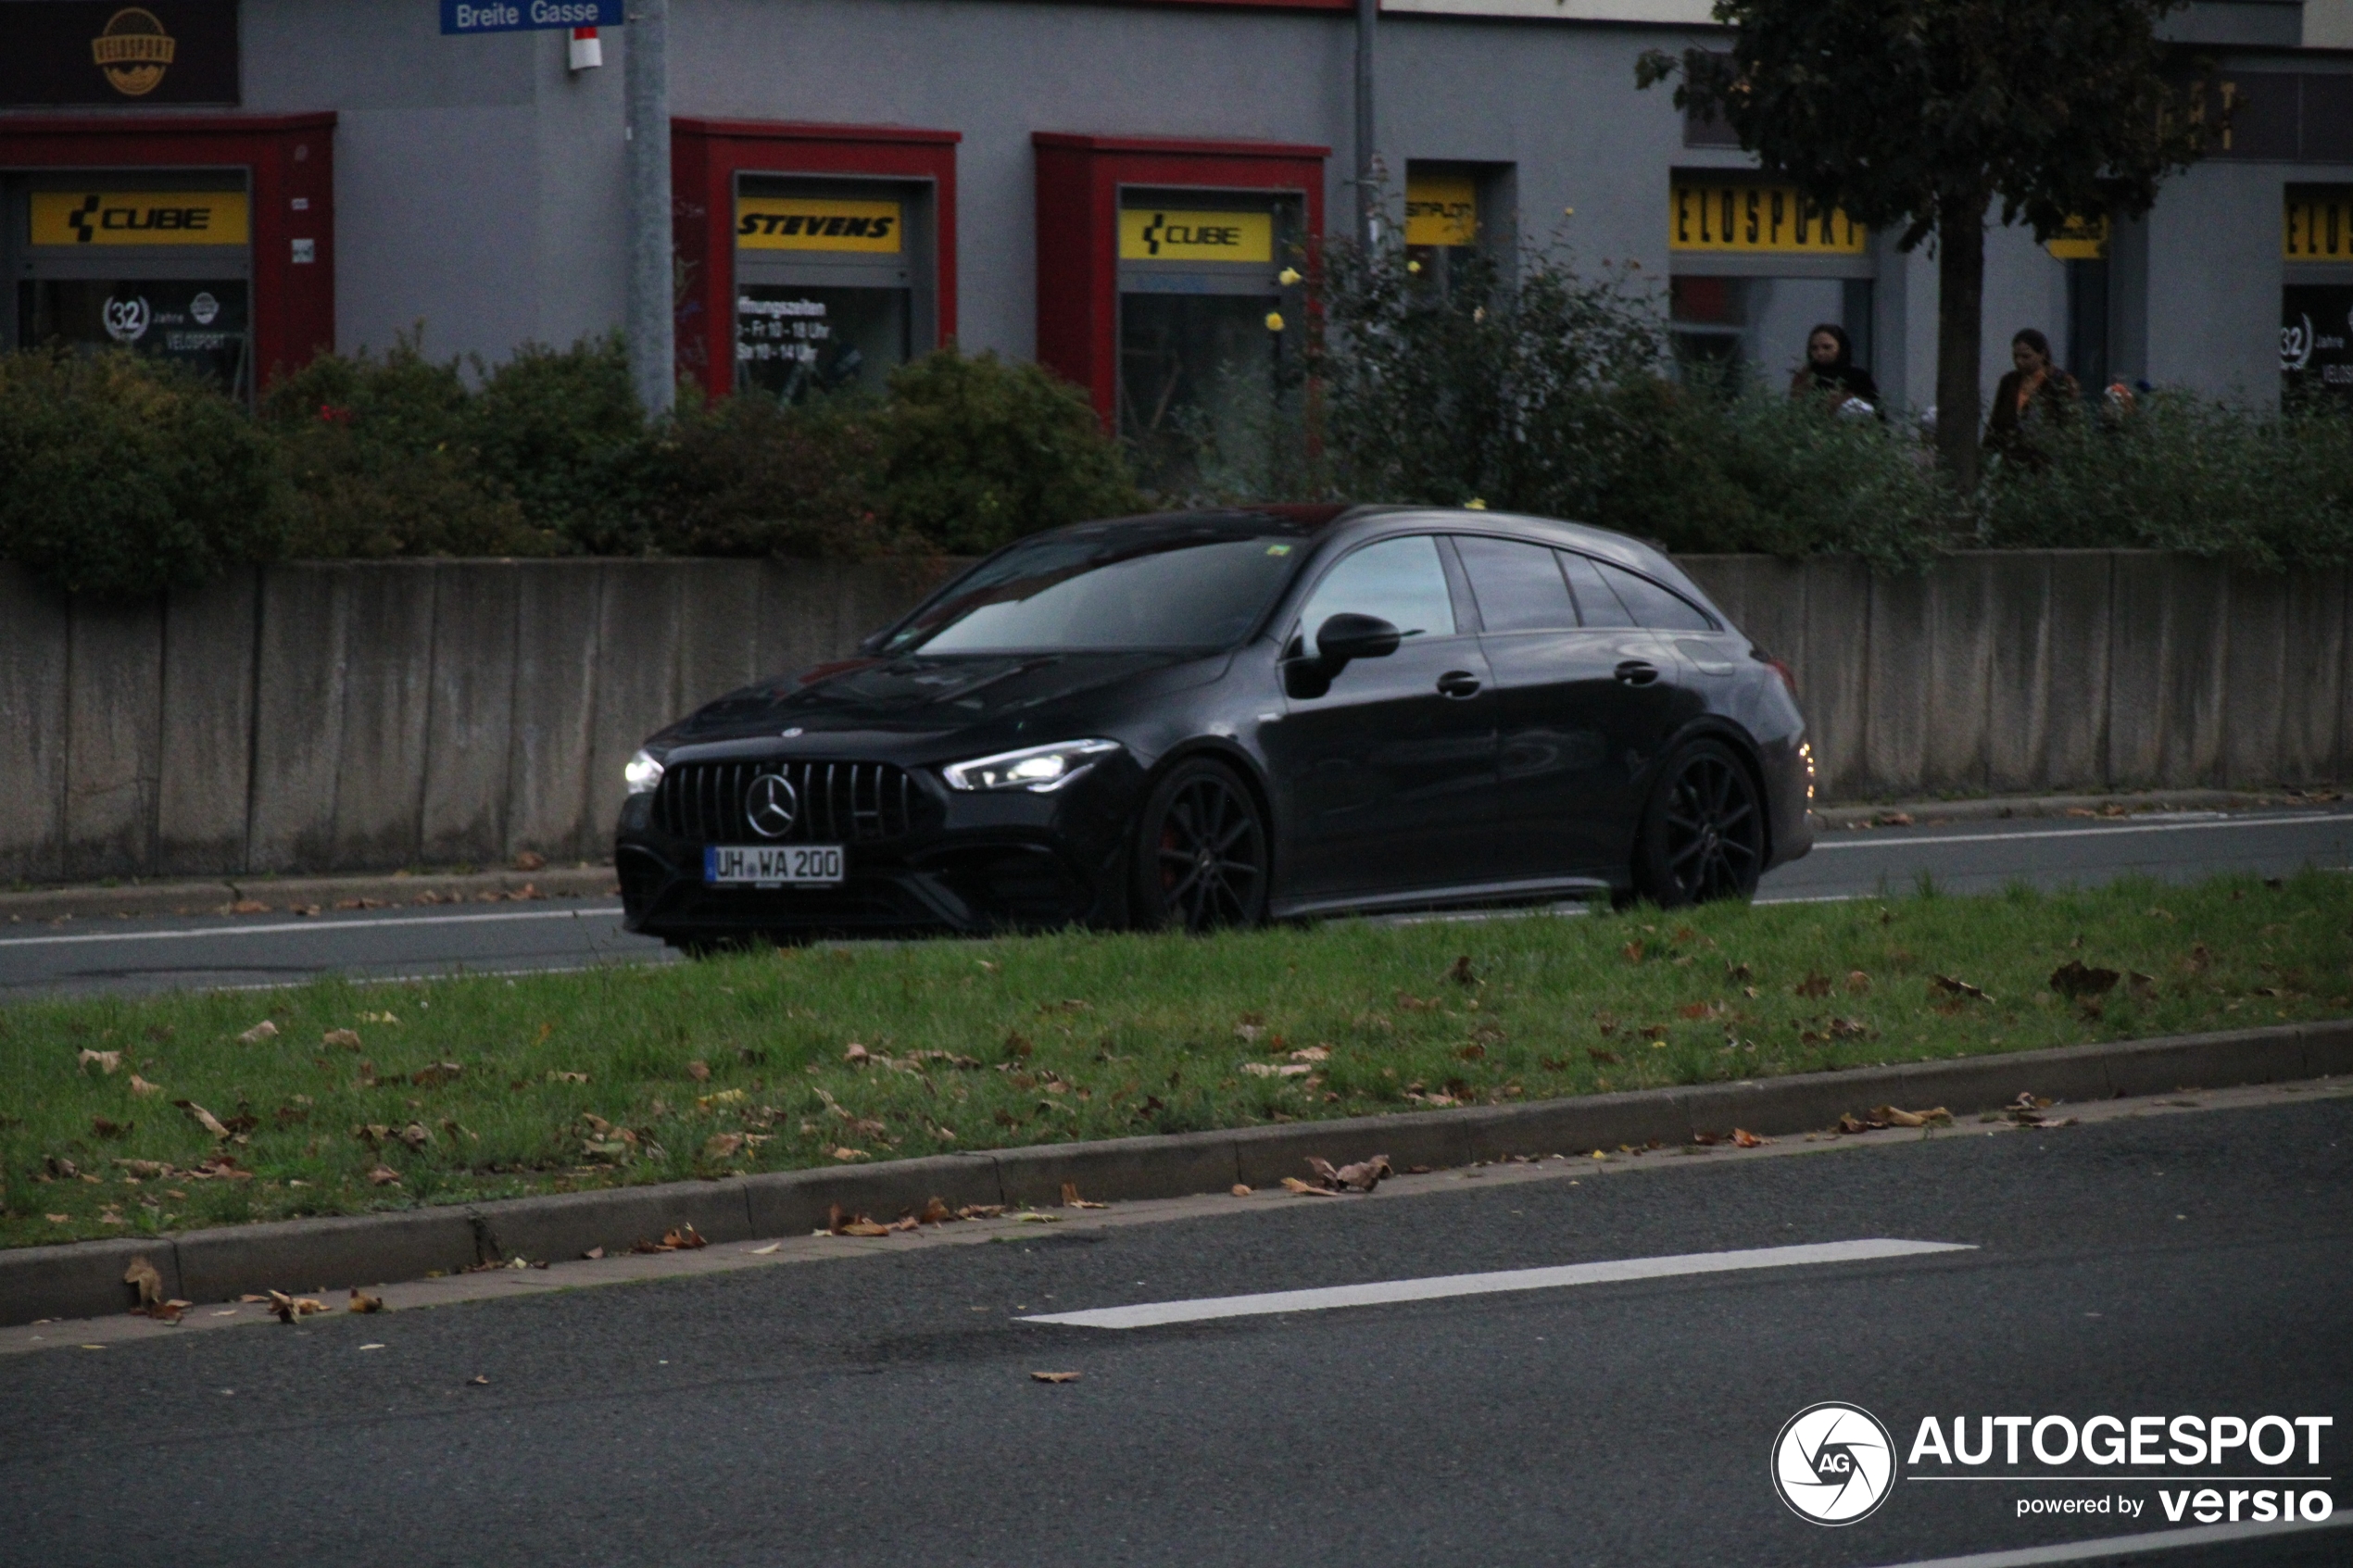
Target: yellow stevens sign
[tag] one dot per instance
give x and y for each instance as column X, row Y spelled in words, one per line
column 1441, row 210
column 140, row 218
column 1756, row 219
column 2318, row 225
column 818, row 223
column 1158, row 235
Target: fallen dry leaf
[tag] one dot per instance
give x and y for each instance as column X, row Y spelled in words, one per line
column 531, row 860
column 143, row 1274
column 141, row 1086
column 1894, row 1116
column 1306, row 1189
column 438, row 1073
column 415, row 1135
column 567, row 1077
column 1311, row 1053
column 1816, row 984
column 2076, row 980
column 1958, row 987
column 107, row 1129
column 203, row 1118
column 345, row 1039
column 1055, row 1376
column 1746, row 1139
column 846, row 1152
column 1072, row 1201
column 384, row 1176
column 1276, row 1069
column 1610, row 1059
column 722, row 1146
column 477, row 1381
column 262, row 1031
column 763, row 1251
column 57, row 1219
column 857, row 1054
column 1895, row 818
column 1362, row 1176
column 169, row 1312
column 289, row 1308
column 1858, row 982
column 685, row 1238
column 594, row 1253
column 107, row 1061
column 936, row 1212
column 362, row 1302
column 1242, row 1190
column 698, row 1071
column 1462, row 973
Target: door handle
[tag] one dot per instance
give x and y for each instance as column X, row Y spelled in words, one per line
column 1637, row 672
column 1458, row 683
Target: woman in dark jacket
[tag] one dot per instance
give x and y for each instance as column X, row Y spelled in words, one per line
column 1830, row 370
column 2036, row 397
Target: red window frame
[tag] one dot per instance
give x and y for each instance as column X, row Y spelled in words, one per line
column 286, row 157
column 1079, row 179
column 705, row 157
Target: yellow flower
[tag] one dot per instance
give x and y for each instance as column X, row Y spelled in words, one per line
column 1287, row 276
column 1274, row 321
column 1474, row 505
column 1413, row 267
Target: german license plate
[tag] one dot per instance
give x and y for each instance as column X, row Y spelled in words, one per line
column 776, row 865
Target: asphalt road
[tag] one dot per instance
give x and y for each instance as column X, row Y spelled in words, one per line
column 881, row 1409
column 159, row 953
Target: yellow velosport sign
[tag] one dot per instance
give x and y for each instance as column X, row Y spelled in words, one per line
column 818, row 223
column 1728, row 216
column 140, row 218
column 1163, row 235
column 2317, row 225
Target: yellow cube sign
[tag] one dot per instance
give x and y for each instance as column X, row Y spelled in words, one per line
column 1149, row 234
column 140, row 218
column 818, row 223
column 1773, row 219
column 1441, row 210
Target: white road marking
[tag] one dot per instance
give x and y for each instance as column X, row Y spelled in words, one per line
column 1153, row 1313
column 320, row 924
column 1883, row 841
column 2118, row 1546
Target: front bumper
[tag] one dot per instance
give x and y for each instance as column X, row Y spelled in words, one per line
column 973, row 862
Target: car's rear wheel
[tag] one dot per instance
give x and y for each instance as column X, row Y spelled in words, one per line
column 1200, row 852
column 1702, row 835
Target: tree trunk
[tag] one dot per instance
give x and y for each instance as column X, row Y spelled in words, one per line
column 1960, row 308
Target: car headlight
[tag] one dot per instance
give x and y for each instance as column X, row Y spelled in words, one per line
column 1040, row 769
column 643, row 772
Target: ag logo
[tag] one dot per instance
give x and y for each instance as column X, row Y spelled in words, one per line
column 772, row 803
column 132, row 51
column 1834, row 1463
column 127, row 319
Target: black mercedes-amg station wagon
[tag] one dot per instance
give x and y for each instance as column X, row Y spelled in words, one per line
column 1207, row 718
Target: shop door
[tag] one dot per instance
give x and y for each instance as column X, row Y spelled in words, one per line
column 1205, row 332
column 158, row 263
column 833, row 289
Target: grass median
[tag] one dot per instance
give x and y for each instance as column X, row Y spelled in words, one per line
column 135, row 1116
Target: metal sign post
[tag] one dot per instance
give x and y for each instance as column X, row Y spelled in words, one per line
column 652, row 324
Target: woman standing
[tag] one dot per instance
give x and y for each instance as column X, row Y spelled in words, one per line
column 1829, row 371
column 2036, row 397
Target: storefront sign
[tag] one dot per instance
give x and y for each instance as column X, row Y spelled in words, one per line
column 1160, row 234
column 140, row 218
column 1441, row 210
column 818, row 223
column 1708, row 216
column 2316, row 337
column 2317, row 224
column 527, row 16
column 2082, row 240
column 169, row 52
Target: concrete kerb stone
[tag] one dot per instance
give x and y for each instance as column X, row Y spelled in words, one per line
column 85, row 1279
column 284, row 894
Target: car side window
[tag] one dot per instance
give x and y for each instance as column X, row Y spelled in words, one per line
column 1399, row 580
column 1518, row 586
column 1661, row 610
column 1597, row 603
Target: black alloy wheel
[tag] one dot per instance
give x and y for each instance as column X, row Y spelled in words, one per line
column 1704, row 831
column 1201, row 858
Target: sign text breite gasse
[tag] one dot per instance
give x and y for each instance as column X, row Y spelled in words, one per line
column 524, row 16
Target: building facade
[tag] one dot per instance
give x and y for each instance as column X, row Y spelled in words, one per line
column 1116, row 189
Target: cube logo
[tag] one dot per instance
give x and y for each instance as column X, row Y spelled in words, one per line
column 1834, row 1463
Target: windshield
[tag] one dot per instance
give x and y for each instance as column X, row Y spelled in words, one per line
column 1108, row 592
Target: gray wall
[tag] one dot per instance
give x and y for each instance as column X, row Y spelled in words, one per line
column 376, row 715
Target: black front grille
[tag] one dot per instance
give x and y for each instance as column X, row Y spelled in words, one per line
column 840, row 802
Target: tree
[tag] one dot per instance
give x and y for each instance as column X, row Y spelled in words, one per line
column 1922, row 112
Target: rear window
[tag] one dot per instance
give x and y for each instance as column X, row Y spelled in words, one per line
column 1596, row 600
column 1662, row 609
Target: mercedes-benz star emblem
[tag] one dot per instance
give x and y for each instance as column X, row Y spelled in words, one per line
column 772, row 803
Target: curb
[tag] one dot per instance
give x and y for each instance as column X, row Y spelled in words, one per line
column 294, row 895
column 1994, row 808
column 84, row 1279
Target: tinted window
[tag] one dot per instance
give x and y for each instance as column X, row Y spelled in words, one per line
column 1595, row 601
column 1112, row 591
column 1652, row 606
column 1518, row 586
column 1398, row 580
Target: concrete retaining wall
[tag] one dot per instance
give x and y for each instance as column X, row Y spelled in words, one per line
column 367, row 715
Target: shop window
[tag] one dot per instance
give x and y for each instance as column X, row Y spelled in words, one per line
column 1458, row 227
column 202, row 240
column 1755, row 267
column 2316, row 303
column 815, row 258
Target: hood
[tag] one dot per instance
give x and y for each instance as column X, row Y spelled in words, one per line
column 915, row 696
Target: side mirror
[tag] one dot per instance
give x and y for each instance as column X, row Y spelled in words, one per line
column 1345, row 637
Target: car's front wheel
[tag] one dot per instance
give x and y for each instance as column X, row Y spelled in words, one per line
column 1703, row 833
column 1200, row 852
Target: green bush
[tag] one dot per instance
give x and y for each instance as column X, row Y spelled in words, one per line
column 559, row 432
column 2180, row 474
column 978, row 452
column 124, row 476
column 746, row 476
column 382, row 457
